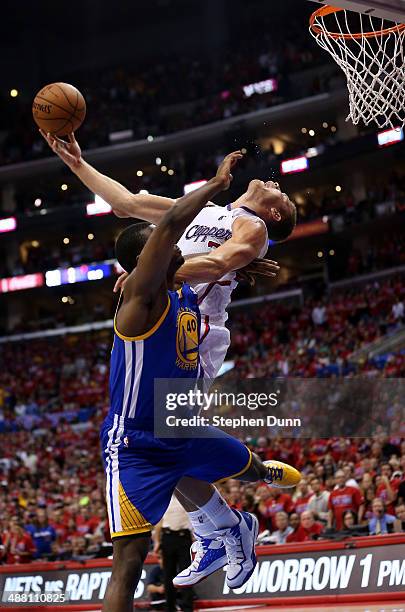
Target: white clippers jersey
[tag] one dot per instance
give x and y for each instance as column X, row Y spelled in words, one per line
column 209, row 229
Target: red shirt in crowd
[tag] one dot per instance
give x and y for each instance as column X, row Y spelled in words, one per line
column 282, row 502
column 382, row 493
column 340, row 500
column 18, row 545
column 303, row 535
column 62, row 530
column 301, row 504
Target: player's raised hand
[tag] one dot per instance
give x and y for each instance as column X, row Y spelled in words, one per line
column 69, row 152
column 224, row 170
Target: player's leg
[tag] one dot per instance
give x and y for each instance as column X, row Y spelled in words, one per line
column 133, row 465
column 224, row 457
column 129, row 553
column 274, row 473
column 213, row 348
column 223, row 536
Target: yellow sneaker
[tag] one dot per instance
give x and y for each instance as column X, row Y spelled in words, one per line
column 281, row 475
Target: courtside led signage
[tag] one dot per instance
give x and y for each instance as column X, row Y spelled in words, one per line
column 297, row 164
column 389, row 137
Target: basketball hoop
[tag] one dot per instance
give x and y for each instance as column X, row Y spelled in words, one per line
column 370, row 51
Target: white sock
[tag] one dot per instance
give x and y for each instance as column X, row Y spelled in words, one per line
column 201, row 523
column 218, row 511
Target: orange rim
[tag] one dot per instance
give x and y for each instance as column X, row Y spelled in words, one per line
column 329, row 10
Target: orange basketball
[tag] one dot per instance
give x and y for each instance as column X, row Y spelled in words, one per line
column 59, row 108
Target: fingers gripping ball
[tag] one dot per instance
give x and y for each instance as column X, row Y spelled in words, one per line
column 59, row 109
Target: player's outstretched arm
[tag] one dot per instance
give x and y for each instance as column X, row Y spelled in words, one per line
column 124, row 203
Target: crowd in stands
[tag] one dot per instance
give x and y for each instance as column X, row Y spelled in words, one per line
column 177, row 93
column 54, row 394
column 350, row 487
column 318, row 338
column 52, row 507
column 386, row 253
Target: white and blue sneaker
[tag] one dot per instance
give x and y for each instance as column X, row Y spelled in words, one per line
column 239, row 542
column 209, row 556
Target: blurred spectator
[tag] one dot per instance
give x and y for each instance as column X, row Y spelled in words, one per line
column 318, row 501
column 279, row 536
column 79, row 549
column 2, row 550
column 344, row 498
column 276, row 501
column 18, row 543
column 387, row 488
column 42, row 533
column 308, row 529
column 349, row 520
column 319, row 314
column 294, row 521
column 399, row 524
column 349, row 475
column 380, row 523
column 398, row 310
column 155, row 586
column 301, row 500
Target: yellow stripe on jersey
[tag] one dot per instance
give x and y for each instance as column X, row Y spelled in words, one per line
column 132, row 521
column 148, row 333
column 245, row 469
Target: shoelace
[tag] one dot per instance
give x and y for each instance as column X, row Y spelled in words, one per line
column 273, row 473
column 199, row 549
column 233, row 548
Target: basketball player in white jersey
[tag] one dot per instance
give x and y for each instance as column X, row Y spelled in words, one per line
column 221, row 240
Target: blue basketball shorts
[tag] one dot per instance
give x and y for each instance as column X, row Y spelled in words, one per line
column 142, row 471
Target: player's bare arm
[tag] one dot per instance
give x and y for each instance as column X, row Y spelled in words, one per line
column 247, row 241
column 124, row 203
column 145, row 290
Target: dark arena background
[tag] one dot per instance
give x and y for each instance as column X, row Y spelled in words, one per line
column 171, row 87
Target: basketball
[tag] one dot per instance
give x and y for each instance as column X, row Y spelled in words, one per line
column 59, row 108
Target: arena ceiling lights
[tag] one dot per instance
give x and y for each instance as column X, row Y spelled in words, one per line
column 189, row 187
column 389, row 137
column 8, row 225
column 296, row 164
column 98, row 207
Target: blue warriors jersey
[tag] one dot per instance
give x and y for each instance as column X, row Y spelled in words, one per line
column 169, row 350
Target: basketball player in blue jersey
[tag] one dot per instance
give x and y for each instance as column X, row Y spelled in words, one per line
column 143, row 471
column 243, row 230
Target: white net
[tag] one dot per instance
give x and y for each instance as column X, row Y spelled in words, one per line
column 370, row 51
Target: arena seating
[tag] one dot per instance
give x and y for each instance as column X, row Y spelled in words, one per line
column 54, row 393
column 132, row 97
